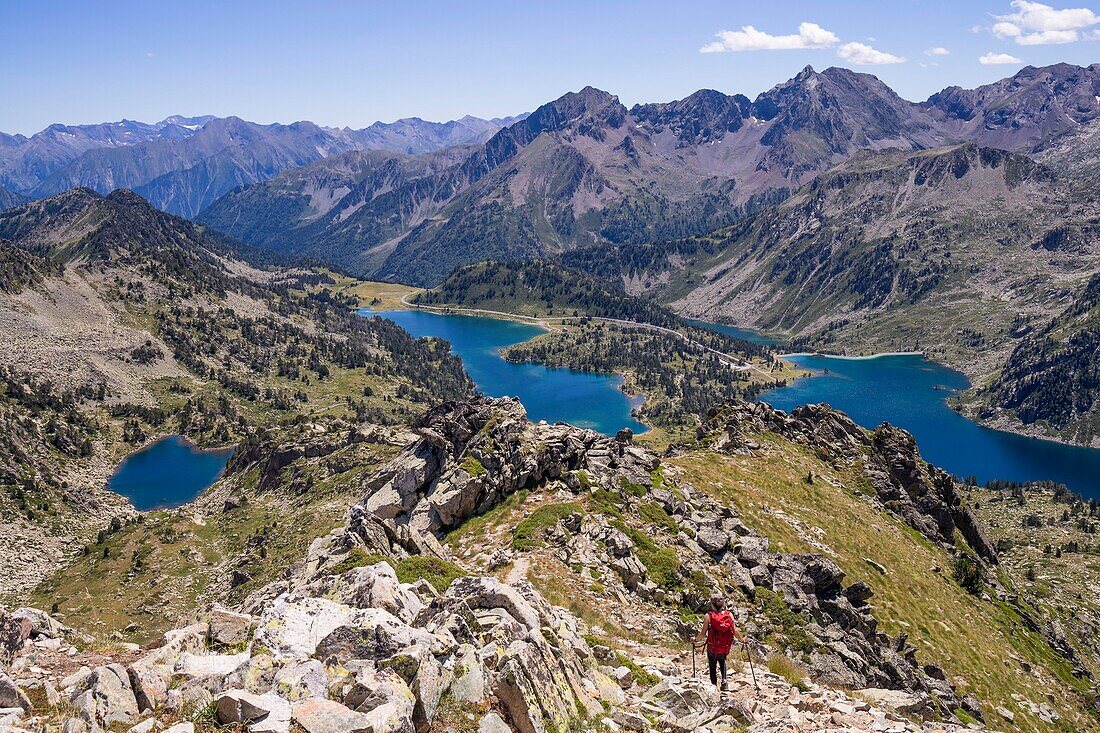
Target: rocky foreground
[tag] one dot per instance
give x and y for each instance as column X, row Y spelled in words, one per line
column 340, row 643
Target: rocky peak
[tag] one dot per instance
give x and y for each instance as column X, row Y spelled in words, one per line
column 585, row 111
column 1024, row 110
column 701, row 117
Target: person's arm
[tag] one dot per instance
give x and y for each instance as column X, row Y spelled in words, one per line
column 702, row 636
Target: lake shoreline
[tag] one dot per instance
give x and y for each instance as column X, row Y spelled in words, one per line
column 868, row 357
column 1012, row 427
column 151, row 444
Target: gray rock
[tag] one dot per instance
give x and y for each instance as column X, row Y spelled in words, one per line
column 302, row 680
column 109, row 697
column 752, row 551
column 11, row 696
column 713, row 540
column 186, row 727
column 14, row 632
column 317, row 715
column 227, row 627
column 493, row 723
column 149, row 725
column 261, row 713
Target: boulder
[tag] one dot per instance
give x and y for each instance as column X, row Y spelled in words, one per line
column 318, row 715
column 292, row 627
column 372, row 634
column 42, row 624
column 14, row 632
column 385, row 696
column 493, row 723
column 209, row 665
column 713, row 540
column 371, row 586
column 302, row 680
column 491, row 593
column 752, row 551
column 469, row 677
column 187, row 727
column 859, row 592
column 682, row 698
column 898, row 701
column 109, row 697
column 11, row 696
column 261, row 713
column 228, row 628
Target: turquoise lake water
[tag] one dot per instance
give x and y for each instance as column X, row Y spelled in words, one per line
column 746, row 334
column 168, row 473
column 583, row 399
column 910, row 392
column 907, row 391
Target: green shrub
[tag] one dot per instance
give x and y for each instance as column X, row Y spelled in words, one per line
column 655, row 514
column 440, row 573
column 528, row 534
column 607, row 503
column 790, row 624
column 643, row 678
column 473, row 467
column 632, row 488
column 357, row 557
column 969, row 573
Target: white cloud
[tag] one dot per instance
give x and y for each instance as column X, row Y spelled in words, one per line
column 861, row 54
column 975, row 29
column 937, row 51
column 1035, row 24
column 810, row 35
column 991, row 58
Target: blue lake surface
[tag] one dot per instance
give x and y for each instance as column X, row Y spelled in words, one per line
column 584, row 399
column 745, row 334
column 168, row 473
column 910, row 392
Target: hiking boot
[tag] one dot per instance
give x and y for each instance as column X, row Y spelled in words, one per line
column 725, row 685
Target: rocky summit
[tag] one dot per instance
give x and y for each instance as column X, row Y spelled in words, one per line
column 412, row 616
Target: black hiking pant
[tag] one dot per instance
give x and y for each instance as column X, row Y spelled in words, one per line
column 715, row 662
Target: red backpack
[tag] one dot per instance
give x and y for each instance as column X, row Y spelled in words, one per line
column 720, row 633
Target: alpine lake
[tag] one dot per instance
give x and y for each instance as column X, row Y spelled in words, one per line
column 906, row 390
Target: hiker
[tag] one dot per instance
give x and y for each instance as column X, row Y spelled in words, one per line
column 718, row 633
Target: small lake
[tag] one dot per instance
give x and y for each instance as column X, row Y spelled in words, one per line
column 584, row 399
column 909, row 391
column 167, row 473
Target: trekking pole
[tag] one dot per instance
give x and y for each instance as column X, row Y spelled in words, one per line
column 693, row 660
column 745, row 646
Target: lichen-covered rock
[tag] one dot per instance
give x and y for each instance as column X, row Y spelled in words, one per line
column 108, row 697
column 261, row 713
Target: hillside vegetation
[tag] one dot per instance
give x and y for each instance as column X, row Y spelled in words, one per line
column 141, row 324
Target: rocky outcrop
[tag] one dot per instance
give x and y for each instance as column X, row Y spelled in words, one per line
column 925, row 496
column 342, row 644
column 470, row 457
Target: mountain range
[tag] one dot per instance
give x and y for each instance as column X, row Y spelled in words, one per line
column 182, row 164
column 584, row 169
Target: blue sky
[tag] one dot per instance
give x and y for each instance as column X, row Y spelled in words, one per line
column 351, row 63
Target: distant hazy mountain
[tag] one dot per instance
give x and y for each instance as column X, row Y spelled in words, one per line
column 584, row 169
column 414, row 135
column 182, row 164
column 10, row 198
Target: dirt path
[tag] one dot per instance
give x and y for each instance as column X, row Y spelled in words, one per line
column 518, row 571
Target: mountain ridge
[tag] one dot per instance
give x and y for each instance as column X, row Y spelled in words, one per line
column 584, row 169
